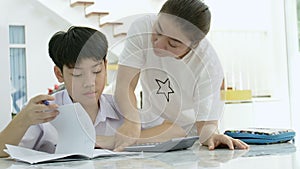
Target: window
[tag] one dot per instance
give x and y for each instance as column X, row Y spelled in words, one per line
column 18, row 66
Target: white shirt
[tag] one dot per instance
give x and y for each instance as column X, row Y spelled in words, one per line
column 180, row 90
column 43, row 137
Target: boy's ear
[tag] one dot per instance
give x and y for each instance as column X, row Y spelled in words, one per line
column 58, row 74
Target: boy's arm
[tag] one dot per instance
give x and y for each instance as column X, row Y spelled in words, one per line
column 13, row 133
column 32, row 113
column 130, row 130
column 210, row 137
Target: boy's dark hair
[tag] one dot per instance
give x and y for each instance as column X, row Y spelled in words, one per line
column 67, row 48
column 193, row 11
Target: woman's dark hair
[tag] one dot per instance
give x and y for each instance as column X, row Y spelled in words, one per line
column 68, row 48
column 194, row 12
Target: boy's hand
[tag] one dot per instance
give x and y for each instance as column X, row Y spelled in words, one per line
column 127, row 135
column 35, row 112
column 217, row 140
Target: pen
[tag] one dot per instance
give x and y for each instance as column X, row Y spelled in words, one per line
column 45, row 102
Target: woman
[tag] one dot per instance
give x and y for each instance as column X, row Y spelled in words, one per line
column 180, row 75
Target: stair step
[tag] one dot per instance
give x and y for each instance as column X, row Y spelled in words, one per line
column 120, row 34
column 82, row 3
column 110, row 23
column 96, row 14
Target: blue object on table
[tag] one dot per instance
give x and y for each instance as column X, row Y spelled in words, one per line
column 262, row 135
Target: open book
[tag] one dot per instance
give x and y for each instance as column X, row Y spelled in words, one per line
column 76, row 139
column 33, row 157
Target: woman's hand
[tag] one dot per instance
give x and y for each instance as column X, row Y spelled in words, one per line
column 106, row 142
column 127, row 135
column 217, row 140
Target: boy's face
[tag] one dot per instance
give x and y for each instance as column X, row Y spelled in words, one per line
column 86, row 81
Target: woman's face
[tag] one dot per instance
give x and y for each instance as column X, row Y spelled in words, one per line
column 168, row 39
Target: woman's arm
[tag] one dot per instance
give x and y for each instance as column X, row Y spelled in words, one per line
column 125, row 98
column 166, row 131
column 106, row 142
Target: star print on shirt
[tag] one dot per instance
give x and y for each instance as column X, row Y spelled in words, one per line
column 164, row 88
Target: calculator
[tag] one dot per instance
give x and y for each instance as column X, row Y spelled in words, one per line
column 170, row 145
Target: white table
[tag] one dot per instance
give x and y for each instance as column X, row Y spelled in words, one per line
column 276, row 156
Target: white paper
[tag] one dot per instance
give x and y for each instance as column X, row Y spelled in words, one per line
column 76, row 132
column 33, row 156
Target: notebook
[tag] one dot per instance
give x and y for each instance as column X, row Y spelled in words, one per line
column 34, row 157
column 72, row 122
column 262, row 135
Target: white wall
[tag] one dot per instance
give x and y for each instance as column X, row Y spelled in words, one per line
column 5, row 101
column 293, row 62
column 39, row 26
column 249, row 36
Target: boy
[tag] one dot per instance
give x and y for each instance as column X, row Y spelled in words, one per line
column 80, row 63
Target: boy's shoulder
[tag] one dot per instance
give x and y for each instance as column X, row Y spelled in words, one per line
column 108, row 101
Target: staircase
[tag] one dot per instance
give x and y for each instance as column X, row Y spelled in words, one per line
column 112, row 17
column 80, row 12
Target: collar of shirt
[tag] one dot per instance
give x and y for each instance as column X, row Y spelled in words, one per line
column 106, row 110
